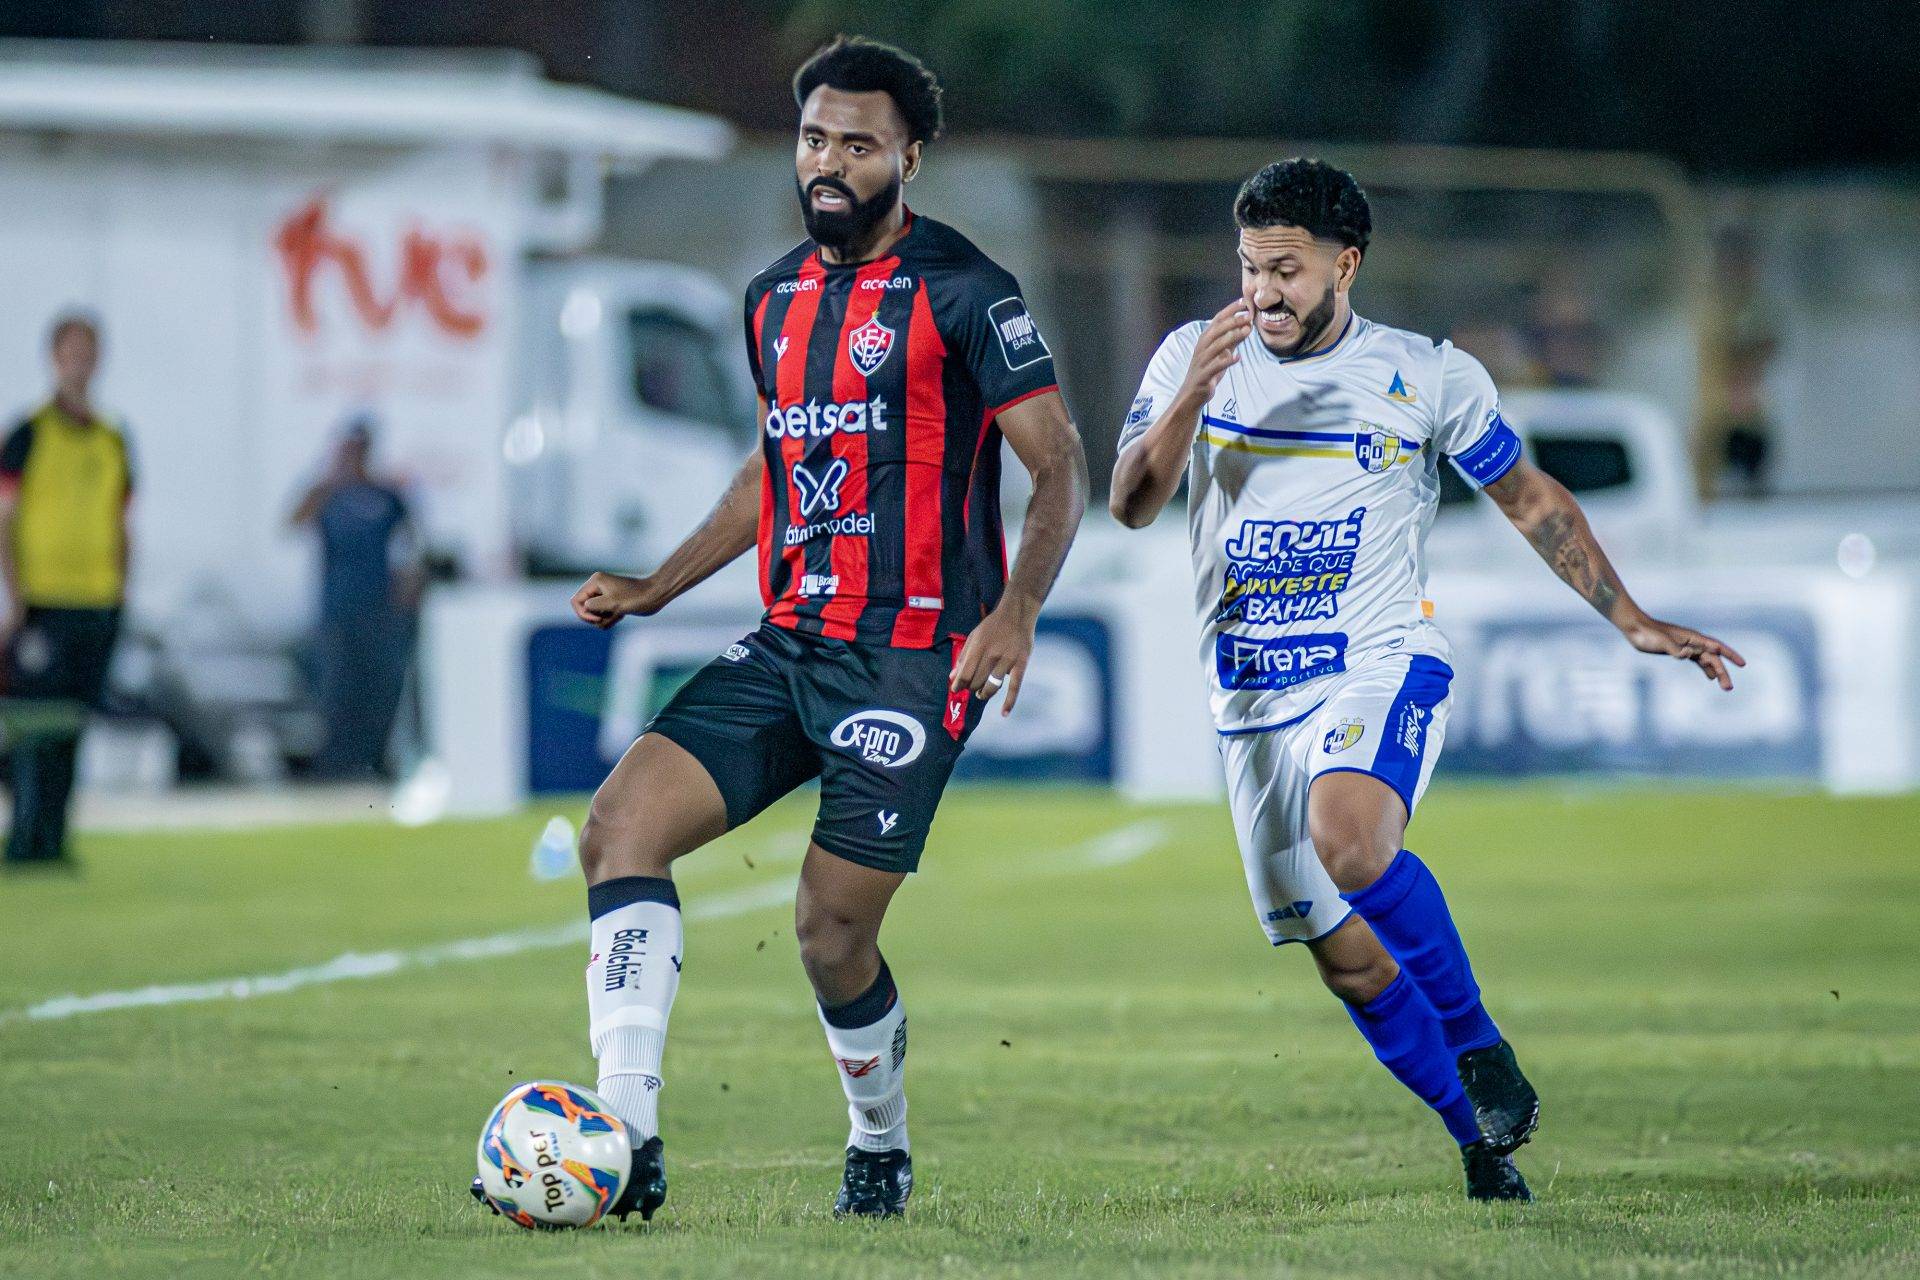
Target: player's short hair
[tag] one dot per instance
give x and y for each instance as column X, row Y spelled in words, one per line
column 1313, row 195
column 856, row 64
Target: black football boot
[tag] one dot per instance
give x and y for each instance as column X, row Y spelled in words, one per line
column 646, row 1188
column 1504, row 1104
column 1492, row 1175
column 875, row 1185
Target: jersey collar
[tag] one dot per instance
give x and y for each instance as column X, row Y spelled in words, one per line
column 1341, row 345
column 907, row 225
column 52, row 412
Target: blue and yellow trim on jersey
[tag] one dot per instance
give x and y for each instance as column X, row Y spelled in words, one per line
column 1268, row 442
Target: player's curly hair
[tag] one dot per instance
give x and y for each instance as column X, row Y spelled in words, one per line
column 856, row 64
column 1321, row 200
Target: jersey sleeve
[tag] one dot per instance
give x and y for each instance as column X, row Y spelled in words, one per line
column 13, row 458
column 1471, row 431
column 999, row 341
column 1160, row 383
column 755, row 296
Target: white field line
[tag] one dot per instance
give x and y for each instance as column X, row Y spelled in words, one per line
column 1113, row 848
column 1108, row 849
column 379, row 964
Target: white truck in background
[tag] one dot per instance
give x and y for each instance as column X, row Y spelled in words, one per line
column 276, row 242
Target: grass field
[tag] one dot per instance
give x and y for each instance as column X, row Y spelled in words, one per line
column 1112, row 1073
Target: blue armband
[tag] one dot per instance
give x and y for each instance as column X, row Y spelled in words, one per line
column 1491, row 456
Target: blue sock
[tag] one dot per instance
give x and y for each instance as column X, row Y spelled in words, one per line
column 1400, row 1026
column 1409, row 914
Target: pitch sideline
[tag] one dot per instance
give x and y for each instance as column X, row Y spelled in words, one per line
column 1108, row 849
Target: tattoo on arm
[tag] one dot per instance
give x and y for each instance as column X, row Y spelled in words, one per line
column 1568, row 546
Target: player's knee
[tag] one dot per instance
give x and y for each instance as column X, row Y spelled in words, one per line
column 836, row 952
column 1358, row 982
column 1353, row 853
column 611, row 846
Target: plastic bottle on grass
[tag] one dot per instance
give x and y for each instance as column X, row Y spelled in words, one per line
column 553, row 856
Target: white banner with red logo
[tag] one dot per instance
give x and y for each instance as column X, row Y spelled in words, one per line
column 387, row 292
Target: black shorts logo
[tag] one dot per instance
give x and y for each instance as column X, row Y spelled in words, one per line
column 890, row 739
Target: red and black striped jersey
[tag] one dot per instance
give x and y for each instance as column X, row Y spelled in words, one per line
column 880, row 514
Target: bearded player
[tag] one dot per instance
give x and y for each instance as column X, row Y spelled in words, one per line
column 892, row 358
column 1313, row 439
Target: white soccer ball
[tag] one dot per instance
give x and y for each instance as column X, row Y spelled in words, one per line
column 552, row 1156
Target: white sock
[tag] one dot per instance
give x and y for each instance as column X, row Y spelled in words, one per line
column 872, row 1061
column 631, row 980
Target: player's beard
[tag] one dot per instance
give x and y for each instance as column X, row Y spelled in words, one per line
column 848, row 228
column 1313, row 327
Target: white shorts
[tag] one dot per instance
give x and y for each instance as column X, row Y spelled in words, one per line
column 1387, row 719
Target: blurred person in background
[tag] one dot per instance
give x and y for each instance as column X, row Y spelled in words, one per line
column 1566, row 343
column 66, row 477
column 369, row 595
column 1738, row 342
column 1502, row 348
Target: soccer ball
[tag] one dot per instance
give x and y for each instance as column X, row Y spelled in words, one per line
column 553, row 1156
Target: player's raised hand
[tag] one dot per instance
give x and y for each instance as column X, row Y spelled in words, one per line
column 608, row 597
column 1688, row 645
column 1217, row 351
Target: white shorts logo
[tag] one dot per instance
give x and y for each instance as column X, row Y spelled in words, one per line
column 891, row 739
column 1410, row 730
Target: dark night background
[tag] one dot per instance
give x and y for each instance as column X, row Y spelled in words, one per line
column 1729, row 90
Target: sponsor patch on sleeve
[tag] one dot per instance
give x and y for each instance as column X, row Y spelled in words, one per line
column 1136, row 424
column 1020, row 340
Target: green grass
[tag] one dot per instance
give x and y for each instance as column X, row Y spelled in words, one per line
column 1112, row 1073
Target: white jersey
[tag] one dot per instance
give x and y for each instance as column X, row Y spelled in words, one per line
column 1314, row 481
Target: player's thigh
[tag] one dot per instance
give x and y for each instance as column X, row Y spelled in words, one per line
column 727, row 745
column 1371, row 755
column 1293, row 898
column 888, row 747
column 657, row 804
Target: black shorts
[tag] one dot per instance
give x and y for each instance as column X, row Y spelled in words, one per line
column 876, row 725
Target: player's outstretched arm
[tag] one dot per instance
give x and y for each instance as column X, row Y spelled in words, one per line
column 1147, row 473
column 1049, row 448
column 726, row 533
column 1542, row 509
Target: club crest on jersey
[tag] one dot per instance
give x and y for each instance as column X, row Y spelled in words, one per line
column 868, row 346
column 890, row 739
column 1375, row 449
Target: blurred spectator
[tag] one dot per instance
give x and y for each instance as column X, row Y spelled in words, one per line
column 1738, row 341
column 1502, row 349
column 65, row 480
column 1566, row 341
column 369, row 594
